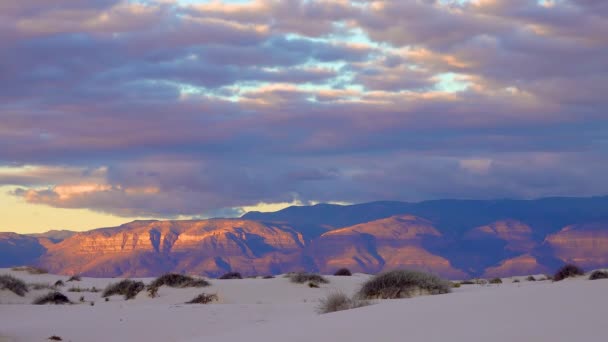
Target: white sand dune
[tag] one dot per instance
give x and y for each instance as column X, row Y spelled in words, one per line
column 277, row 310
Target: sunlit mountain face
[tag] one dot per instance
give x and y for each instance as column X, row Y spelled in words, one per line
column 115, row 110
column 455, row 239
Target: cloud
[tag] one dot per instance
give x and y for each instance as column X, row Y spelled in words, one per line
column 157, row 108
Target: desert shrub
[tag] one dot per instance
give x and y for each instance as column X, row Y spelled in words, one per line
column 107, row 299
column 467, row 282
column 496, row 281
column 15, row 285
column 55, row 338
column 345, row 272
column 531, row 278
column 52, row 297
column 403, row 284
column 75, row 278
column 598, row 275
column 59, row 283
column 231, row 275
column 175, row 280
column 303, row 277
column 516, row 280
column 455, row 285
column 313, row 285
column 126, row 287
column 30, row 269
column 40, row 286
column 568, row 271
column 203, row 298
column 81, row 299
column 338, row 301
column 268, row 277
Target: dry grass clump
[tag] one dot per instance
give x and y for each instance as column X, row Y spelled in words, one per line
column 40, row 286
column 30, row 269
column 126, row 287
column 403, row 284
column 231, row 275
column 303, row 277
column 598, row 275
column 467, row 282
column 84, row 289
column 338, row 301
column 59, row 283
column 52, row 297
column 344, row 272
column 175, row 280
column 203, row 298
column 15, row 285
column 55, row 338
column 568, row 271
column 531, row 278
column 75, row 278
column 496, row 281
column 516, row 280
column 455, row 285
column 268, row 277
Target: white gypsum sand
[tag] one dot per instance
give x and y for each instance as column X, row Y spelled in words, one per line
column 278, row 310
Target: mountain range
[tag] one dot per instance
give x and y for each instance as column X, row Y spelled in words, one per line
column 454, row 238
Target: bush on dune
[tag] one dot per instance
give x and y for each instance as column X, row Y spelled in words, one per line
column 568, row 271
column 403, row 284
column 175, row 280
column 303, row 277
column 127, row 287
column 344, row 272
column 75, row 278
column 52, row 297
column 339, row 302
column 30, row 269
column 598, row 275
column 203, row 298
column 531, row 278
column 231, row 275
column 15, row 285
column 496, row 281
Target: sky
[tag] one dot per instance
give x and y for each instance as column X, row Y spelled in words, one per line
column 114, row 110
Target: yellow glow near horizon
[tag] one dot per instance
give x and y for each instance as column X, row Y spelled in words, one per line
column 16, row 215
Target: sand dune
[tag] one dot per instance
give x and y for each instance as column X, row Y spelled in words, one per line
column 277, row 310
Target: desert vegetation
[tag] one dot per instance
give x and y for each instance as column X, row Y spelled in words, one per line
column 595, row 275
column 403, row 284
column 345, row 272
column 85, row 289
column 231, row 275
column 15, row 285
column 531, row 278
column 303, row 277
column 74, row 278
column 40, row 286
column 496, row 281
column 59, row 283
column 30, row 269
column 568, row 271
column 52, row 297
column 203, row 298
column 126, row 287
column 339, row 301
column 175, row 280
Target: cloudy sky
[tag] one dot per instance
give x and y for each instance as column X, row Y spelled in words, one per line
column 114, row 109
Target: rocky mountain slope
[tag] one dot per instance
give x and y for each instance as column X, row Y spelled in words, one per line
column 496, row 241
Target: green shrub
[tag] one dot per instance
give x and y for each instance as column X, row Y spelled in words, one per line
column 598, row 275
column 231, row 275
column 338, row 302
column 403, row 284
column 52, row 297
column 127, row 288
column 455, row 285
column 496, row 281
column 344, row 272
column 568, row 271
column 303, row 277
column 15, row 285
column 203, row 298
